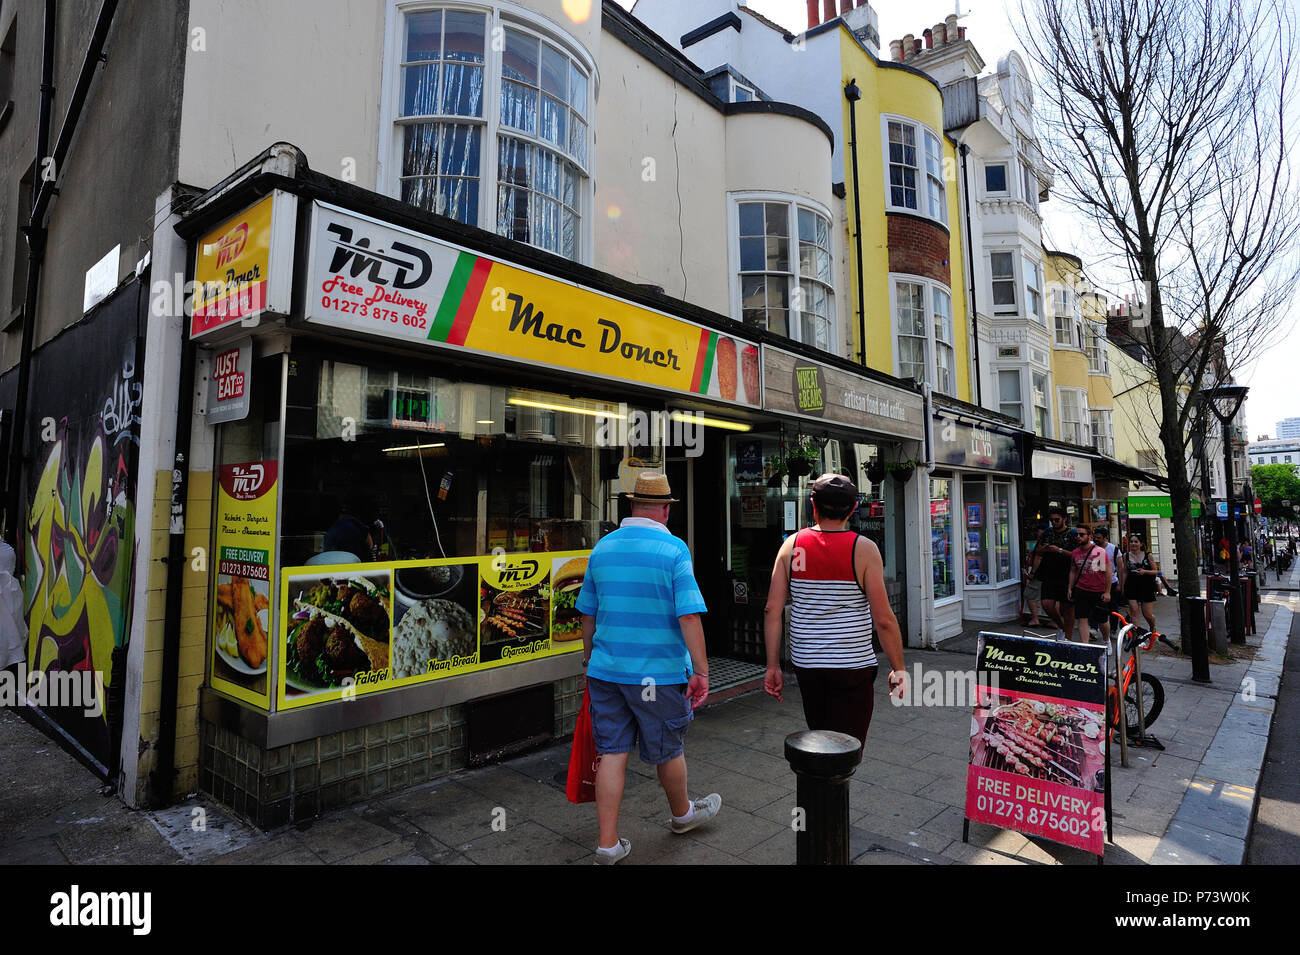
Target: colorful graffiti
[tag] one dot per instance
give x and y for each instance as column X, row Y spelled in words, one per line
column 80, row 546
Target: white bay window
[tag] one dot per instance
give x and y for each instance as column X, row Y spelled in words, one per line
column 489, row 114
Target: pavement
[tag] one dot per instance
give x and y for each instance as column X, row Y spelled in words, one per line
column 1191, row 803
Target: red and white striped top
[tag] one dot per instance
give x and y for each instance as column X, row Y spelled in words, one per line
column 830, row 621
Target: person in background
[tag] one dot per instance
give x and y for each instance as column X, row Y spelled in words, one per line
column 1101, row 534
column 1033, row 590
column 1140, row 574
column 647, row 667
column 13, row 625
column 350, row 535
column 1089, row 585
column 1052, row 568
column 835, row 580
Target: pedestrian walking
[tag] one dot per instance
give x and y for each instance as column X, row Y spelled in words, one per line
column 1089, row 585
column 1101, row 534
column 13, row 626
column 1141, row 571
column 647, row 670
column 1033, row 590
column 1052, row 568
column 835, row 581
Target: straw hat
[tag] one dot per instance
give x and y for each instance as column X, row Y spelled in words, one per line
column 652, row 488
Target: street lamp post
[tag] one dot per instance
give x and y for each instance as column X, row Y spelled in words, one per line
column 1225, row 402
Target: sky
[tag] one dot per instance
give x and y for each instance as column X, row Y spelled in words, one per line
column 991, row 26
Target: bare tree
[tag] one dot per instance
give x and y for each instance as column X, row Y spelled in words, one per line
column 1168, row 124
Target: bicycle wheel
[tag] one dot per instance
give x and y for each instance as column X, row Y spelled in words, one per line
column 1153, row 701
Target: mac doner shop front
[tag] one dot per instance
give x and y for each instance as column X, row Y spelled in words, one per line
column 415, row 447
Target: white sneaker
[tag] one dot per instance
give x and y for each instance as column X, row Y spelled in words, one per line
column 705, row 809
column 615, row 855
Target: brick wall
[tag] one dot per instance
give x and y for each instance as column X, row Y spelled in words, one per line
column 918, row 247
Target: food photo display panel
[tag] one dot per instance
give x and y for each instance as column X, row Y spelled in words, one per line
column 362, row 628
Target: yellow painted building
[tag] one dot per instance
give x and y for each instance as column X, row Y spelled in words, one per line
column 912, row 250
column 1069, row 392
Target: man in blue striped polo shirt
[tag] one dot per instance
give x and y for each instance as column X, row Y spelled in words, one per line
column 646, row 663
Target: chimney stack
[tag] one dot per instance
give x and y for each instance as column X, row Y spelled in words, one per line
column 814, row 17
column 940, row 33
column 951, row 24
column 896, row 50
column 909, row 45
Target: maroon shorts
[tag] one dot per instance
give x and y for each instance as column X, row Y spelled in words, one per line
column 838, row 699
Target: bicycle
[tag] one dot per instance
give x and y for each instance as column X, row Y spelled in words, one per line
column 1132, row 638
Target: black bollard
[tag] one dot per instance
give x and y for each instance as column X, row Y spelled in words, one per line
column 823, row 761
column 1194, row 641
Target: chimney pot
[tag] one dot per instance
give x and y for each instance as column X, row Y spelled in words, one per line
column 828, row 10
column 961, row 33
column 909, row 45
column 928, row 37
column 916, row 47
column 951, row 22
column 940, row 33
column 814, row 15
column 896, row 50
column 845, row 6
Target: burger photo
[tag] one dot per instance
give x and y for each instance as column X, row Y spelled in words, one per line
column 566, row 622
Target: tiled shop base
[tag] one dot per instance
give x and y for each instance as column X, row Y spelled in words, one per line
column 273, row 787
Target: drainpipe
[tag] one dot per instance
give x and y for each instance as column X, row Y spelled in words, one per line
column 36, row 231
column 923, row 495
column 970, row 259
column 853, row 94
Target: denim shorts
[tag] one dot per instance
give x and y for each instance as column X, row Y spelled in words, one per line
column 621, row 715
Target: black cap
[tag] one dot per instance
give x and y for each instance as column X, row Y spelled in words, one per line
column 835, row 490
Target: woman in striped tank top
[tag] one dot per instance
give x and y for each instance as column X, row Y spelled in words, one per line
column 835, row 580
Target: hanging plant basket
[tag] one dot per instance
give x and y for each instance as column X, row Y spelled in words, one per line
column 902, row 471
column 875, row 472
column 775, row 480
column 800, row 467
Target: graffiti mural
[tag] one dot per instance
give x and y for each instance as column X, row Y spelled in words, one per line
column 80, row 527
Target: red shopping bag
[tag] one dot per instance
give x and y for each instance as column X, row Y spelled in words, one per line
column 582, row 760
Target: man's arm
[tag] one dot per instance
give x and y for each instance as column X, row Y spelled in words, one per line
column 693, row 633
column 588, row 636
column 1074, row 575
column 774, row 619
column 871, row 573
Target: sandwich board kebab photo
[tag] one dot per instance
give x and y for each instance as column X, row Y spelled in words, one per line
column 1038, row 740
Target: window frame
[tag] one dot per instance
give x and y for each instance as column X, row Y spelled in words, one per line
column 1094, row 337
column 1028, row 176
column 1033, row 293
column 794, row 278
column 735, row 85
column 1081, row 433
column 1049, row 430
column 932, row 342
column 1102, row 416
column 1006, row 180
column 925, row 177
column 1013, row 280
column 499, row 16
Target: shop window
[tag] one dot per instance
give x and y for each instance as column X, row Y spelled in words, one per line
column 910, row 187
column 925, row 348
column 785, row 270
column 519, row 167
column 1000, row 533
column 1002, row 269
column 975, row 498
column 941, row 542
column 443, row 468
